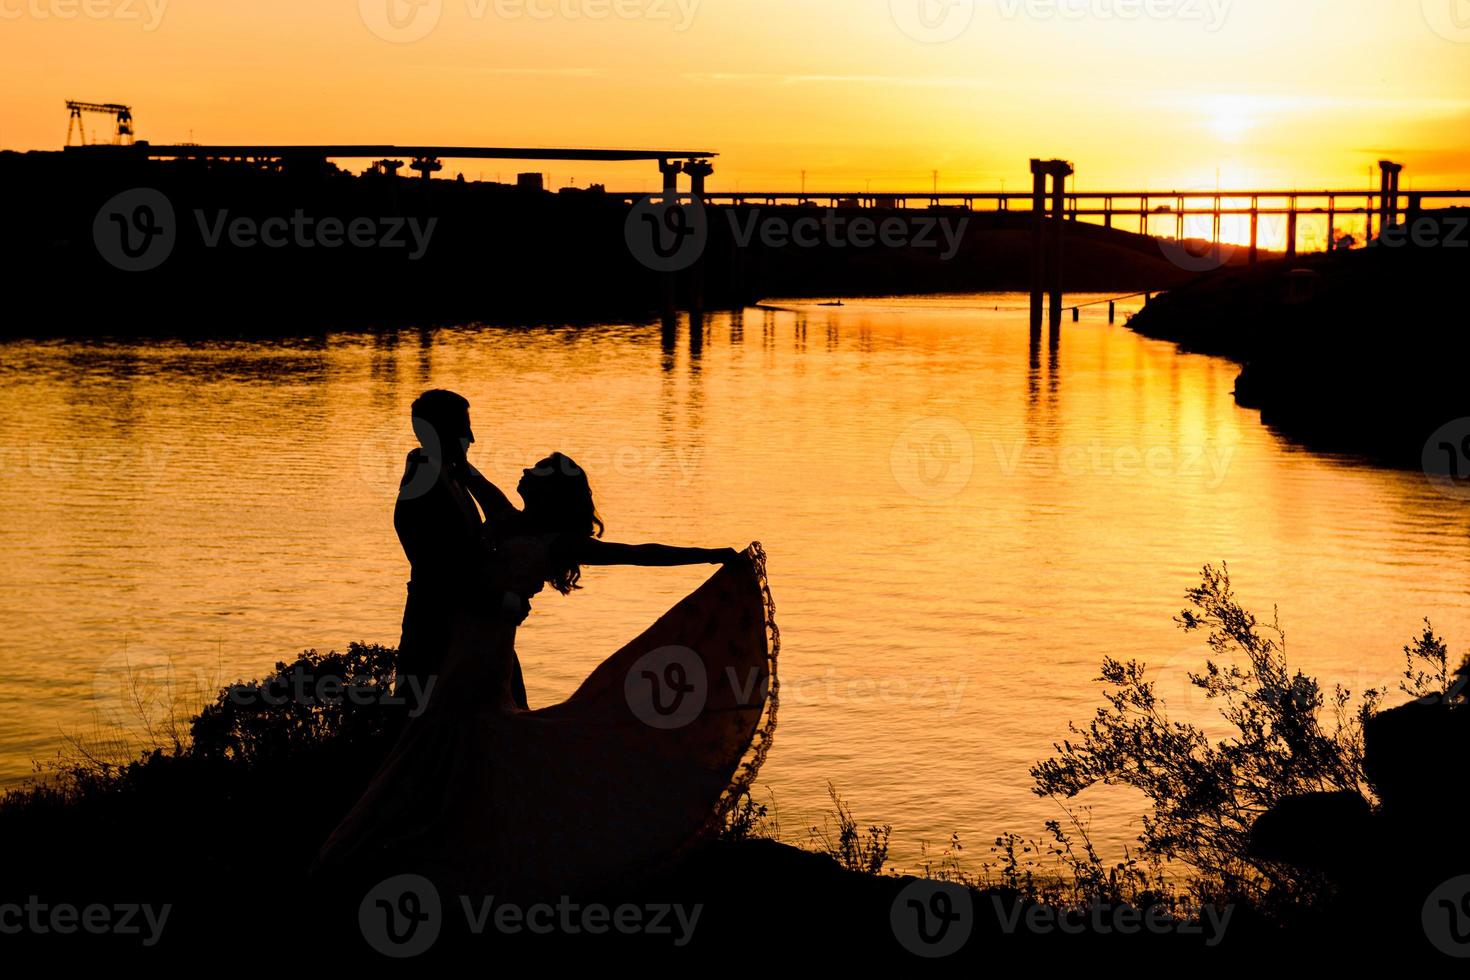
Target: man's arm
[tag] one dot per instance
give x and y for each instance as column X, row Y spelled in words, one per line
column 492, row 500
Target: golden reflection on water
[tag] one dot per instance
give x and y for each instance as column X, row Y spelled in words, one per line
column 960, row 525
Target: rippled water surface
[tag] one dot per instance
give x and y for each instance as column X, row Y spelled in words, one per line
column 960, row 526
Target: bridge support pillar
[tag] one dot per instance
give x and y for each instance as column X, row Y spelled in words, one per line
column 426, row 166
column 670, row 169
column 1255, row 230
column 1038, row 242
column 1059, row 171
column 698, row 171
column 1388, row 195
column 1046, row 256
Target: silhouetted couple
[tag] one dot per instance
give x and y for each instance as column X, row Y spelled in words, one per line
column 484, row 795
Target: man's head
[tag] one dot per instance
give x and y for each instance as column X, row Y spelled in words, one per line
column 441, row 420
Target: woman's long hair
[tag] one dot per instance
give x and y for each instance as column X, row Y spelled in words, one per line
column 559, row 501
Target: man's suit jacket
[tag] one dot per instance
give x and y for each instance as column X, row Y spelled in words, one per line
column 441, row 531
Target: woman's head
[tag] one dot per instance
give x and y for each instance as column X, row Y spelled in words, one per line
column 559, row 501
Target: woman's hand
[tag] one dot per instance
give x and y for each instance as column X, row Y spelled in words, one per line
column 725, row 556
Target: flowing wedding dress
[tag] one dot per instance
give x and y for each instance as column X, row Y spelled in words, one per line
column 649, row 755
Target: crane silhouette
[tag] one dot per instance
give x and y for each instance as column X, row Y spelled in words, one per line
column 123, row 114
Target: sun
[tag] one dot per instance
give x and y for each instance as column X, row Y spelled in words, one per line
column 1231, row 119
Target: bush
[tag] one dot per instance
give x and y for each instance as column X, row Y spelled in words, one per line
column 1290, row 739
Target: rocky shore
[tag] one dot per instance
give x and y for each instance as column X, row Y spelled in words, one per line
column 1357, row 351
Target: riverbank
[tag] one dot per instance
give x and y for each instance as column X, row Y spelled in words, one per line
column 202, row 849
column 1356, row 351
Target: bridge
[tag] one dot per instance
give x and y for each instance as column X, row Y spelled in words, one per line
column 427, row 160
column 1049, row 203
column 1051, row 206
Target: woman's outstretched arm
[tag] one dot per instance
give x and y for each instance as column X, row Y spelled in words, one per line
column 591, row 551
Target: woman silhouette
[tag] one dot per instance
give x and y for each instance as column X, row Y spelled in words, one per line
column 649, row 753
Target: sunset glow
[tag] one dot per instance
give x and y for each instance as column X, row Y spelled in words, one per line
column 856, row 94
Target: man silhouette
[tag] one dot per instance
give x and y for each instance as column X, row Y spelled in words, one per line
column 440, row 528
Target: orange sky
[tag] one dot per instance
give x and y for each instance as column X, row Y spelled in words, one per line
column 1158, row 93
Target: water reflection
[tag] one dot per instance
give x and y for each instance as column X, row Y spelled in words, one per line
column 961, row 521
